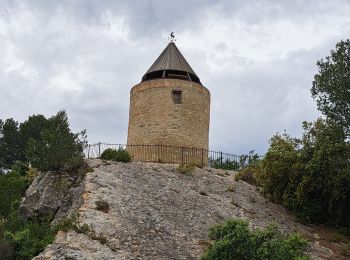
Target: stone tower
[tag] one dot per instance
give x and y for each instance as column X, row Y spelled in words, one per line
column 169, row 108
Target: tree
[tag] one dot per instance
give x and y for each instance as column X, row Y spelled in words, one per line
column 331, row 85
column 32, row 128
column 10, row 148
column 57, row 146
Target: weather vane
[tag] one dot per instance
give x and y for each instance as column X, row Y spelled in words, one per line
column 172, row 37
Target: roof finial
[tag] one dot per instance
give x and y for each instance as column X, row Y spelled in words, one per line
column 172, row 37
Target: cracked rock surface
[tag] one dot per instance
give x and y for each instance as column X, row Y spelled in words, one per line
column 54, row 195
column 157, row 213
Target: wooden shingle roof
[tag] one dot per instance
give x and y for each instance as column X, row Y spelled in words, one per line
column 171, row 59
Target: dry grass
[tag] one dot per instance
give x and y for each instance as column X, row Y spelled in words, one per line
column 186, row 168
column 231, row 188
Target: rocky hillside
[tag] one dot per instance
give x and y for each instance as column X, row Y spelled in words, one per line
column 156, row 212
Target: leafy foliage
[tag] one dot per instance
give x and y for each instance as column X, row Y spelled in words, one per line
column 281, row 169
column 310, row 175
column 57, row 147
column 220, row 163
column 19, row 238
column 240, row 162
column 10, row 144
column 28, row 237
column 331, row 86
column 12, row 187
column 120, row 155
column 48, row 144
column 235, row 240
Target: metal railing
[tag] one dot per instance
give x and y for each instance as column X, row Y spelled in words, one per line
column 176, row 154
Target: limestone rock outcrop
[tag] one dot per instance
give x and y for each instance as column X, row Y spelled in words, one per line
column 156, row 212
column 54, row 195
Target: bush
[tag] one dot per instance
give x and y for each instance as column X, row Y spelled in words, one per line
column 241, row 162
column 102, row 205
column 312, row 175
column 281, row 170
column 248, row 174
column 19, row 238
column 20, row 167
column 120, row 155
column 109, row 154
column 28, row 237
column 223, row 164
column 235, row 240
column 12, row 187
column 185, row 168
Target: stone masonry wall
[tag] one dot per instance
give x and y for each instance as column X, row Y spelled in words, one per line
column 154, row 117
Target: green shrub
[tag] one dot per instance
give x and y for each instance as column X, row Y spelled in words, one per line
column 310, row 176
column 223, row 164
column 19, row 238
column 281, row 170
column 109, row 154
column 248, row 174
column 185, row 168
column 235, row 240
column 102, row 205
column 241, row 162
column 28, row 237
column 120, row 155
column 20, row 167
column 12, row 187
column 71, row 223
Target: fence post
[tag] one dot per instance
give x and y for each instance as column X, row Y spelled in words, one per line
column 221, row 159
column 89, row 152
column 202, row 157
column 99, row 149
column 161, row 153
column 182, row 154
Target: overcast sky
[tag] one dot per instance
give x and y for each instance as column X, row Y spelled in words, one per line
column 257, row 58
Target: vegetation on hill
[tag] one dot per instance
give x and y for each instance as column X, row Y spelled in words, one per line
column 120, row 155
column 235, row 240
column 19, row 238
column 331, row 85
column 311, row 175
column 241, row 162
column 45, row 145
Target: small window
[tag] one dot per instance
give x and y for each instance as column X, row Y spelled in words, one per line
column 177, row 96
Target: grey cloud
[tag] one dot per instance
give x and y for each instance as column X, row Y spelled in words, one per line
column 84, row 56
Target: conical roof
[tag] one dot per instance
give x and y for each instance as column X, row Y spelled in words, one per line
column 171, row 61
